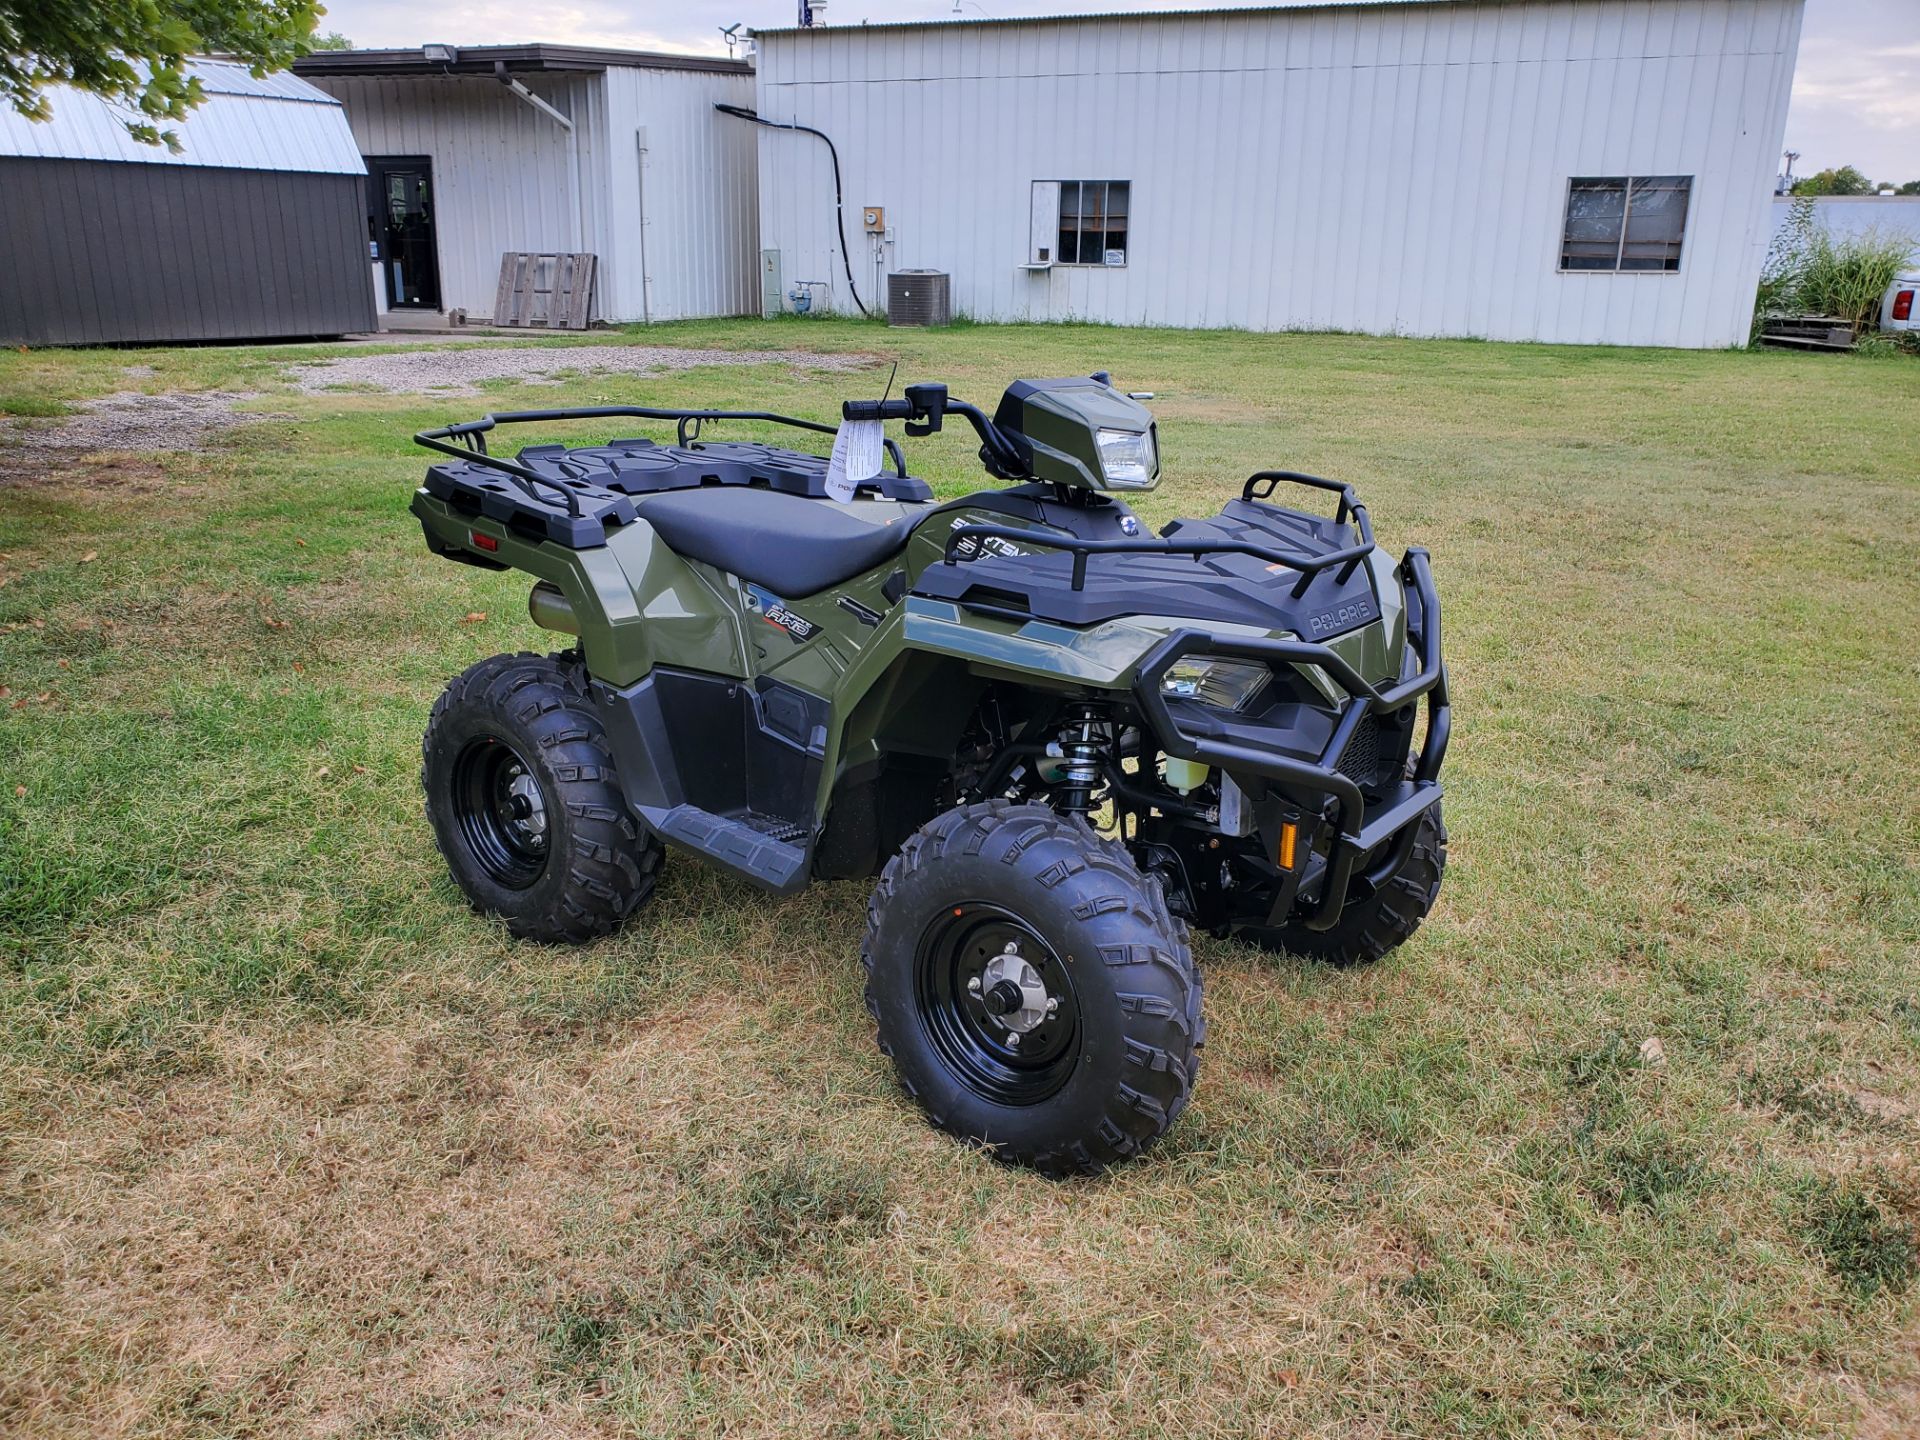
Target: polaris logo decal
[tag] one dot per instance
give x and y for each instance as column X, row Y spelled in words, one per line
column 774, row 611
column 1341, row 617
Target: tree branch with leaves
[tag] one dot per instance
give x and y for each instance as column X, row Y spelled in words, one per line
column 134, row 53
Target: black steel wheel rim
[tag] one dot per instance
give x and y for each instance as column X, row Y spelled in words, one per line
column 503, row 812
column 971, row 1042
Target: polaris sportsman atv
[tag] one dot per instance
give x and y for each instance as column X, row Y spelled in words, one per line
column 1058, row 741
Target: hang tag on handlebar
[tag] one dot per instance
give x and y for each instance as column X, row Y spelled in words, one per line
column 858, row 446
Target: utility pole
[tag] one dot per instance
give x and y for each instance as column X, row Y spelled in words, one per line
column 1786, row 185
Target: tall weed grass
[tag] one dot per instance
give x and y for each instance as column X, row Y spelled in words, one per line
column 1809, row 271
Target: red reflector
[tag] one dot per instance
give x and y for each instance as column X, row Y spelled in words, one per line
column 482, row 542
column 1903, row 305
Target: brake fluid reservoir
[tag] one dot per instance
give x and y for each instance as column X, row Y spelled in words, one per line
column 1185, row 776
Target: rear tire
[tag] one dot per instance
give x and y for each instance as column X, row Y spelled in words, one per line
column 525, row 805
column 1368, row 929
column 1076, row 959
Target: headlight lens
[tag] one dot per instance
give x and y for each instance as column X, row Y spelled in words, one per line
column 1223, row 684
column 1126, row 457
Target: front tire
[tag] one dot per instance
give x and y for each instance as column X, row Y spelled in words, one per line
column 1369, row 929
column 1031, row 988
column 525, row 805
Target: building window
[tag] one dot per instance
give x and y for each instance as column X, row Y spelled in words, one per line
column 1080, row 222
column 1621, row 223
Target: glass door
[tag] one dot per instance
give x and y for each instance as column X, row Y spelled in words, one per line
column 400, row 230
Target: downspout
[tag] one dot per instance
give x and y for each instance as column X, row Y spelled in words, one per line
column 640, row 176
column 579, row 194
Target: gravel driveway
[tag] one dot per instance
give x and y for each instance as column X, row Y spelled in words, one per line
column 185, row 420
column 458, row 372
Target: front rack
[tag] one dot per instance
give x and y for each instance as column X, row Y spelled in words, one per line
column 1305, row 564
column 468, row 440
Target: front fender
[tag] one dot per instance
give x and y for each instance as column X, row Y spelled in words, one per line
column 1038, row 652
column 1105, row 656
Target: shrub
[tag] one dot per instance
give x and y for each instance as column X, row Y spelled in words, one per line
column 1810, row 272
column 1848, row 277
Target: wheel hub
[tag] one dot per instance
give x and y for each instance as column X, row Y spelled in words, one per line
column 502, row 812
column 1013, row 993
column 526, row 808
column 998, row 1004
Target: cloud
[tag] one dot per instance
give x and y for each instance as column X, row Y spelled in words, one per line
column 1856, row 102
column 375, row 25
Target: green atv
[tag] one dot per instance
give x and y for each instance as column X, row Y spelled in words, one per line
column 1058, row 742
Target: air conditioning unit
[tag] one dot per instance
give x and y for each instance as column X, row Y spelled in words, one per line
column 919, row 297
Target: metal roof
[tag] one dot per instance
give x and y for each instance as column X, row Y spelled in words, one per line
column 1074, row 17
column 481, row 59
column 273, row 122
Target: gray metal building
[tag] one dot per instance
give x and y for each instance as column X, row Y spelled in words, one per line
column 255, row 229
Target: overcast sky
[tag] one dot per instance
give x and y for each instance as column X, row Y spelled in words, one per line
column 1856, row 96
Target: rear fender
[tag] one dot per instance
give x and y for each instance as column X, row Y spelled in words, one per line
column 637, row 603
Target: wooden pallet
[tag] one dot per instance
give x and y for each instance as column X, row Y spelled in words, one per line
column 1809, row 332
column 553, row 291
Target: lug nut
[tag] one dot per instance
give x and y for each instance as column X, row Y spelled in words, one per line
column 1013, row 947
column 1013, row 1039
column 973, row 986
column 1053, row 1005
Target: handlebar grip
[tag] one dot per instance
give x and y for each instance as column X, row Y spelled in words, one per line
column 876, row 410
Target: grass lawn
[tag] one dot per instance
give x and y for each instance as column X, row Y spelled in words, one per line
column 293, row 1143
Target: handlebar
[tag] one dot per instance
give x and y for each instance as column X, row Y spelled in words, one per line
column 924, row 407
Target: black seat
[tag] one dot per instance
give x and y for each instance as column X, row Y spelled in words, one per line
column 791, row 545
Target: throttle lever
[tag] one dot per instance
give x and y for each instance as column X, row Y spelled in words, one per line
column 928, row 401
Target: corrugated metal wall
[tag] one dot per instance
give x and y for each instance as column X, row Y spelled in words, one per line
column 701, row 229
column 1841, row 215
column 1392, row 169
column 100, row 252
column 504, row 175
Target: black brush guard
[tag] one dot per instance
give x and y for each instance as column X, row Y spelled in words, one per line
column 1387, row 829
column 1358, row 831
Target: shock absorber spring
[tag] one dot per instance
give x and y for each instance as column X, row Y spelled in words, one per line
column 1085, row 741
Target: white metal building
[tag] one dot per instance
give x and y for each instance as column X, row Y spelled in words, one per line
column 1844, row 215
column 1563, row 170
column 478, row 151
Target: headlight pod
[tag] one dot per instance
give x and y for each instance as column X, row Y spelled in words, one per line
column 1127, row 457
column 1219, row 683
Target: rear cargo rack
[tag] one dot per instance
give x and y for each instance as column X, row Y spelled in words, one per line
column 574, row 497
column 1306, row 565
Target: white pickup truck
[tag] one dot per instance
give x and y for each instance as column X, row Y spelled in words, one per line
column 1898, row 310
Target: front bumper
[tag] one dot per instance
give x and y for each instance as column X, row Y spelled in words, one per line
column 1383, row 833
